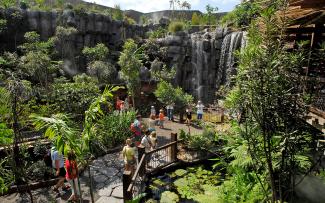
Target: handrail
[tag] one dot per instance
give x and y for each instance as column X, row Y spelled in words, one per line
column 136, row 174
column 163, row 147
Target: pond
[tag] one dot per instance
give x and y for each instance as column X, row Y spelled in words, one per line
column 185, row 185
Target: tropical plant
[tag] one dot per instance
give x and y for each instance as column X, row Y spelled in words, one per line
column 268, row 94
column 165, row 74
column 98, row 64
column 113, row 129
column 166, row 94
column 74, row 97
column 130, row 64
column 209, row 16
column 7, row 3
column 36, row 61
column 243, row 14
column 118, row 13
column 158, row 33
column 176, row 26
column 196, row 19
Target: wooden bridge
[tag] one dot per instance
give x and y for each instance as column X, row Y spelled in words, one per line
column 160, row 158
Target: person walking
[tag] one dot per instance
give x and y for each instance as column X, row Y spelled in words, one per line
column 170, row 109
column 188, row 115
column 72, row 175
column 152, row 111
column 128, row 154
column 58, row 165
column 199, row 108
column 161, row 118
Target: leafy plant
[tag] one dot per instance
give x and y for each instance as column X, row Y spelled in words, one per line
column 98, row 64
column 75, row 97
column 158, row 33
column 113, row 129
column 169, row 197
column 130, row 64
column 176, row 26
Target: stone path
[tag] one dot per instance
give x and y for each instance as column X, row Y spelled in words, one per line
column 106, row 172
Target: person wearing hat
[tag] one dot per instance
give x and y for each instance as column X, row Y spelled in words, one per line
column 199, row 111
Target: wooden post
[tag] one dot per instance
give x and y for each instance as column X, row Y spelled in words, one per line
column 173, row 151
column 127, row 177
column 141, row 152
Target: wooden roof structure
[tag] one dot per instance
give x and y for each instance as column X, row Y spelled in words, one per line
column 306, row 21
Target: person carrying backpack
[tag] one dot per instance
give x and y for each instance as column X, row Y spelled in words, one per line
column 136, row 128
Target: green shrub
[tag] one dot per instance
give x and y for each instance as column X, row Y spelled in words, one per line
column 114, row 129
column 159, row 33
column 176, row 26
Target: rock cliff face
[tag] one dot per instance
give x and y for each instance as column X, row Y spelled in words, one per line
column 92, row 29
column 204, row 60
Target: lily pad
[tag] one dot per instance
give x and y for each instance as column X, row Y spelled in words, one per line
column 169, row 197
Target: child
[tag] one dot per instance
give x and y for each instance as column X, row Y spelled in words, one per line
column 153, row 139
column 161, row 118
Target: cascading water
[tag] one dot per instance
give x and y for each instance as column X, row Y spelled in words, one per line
column 203, row 62
column 227, row 64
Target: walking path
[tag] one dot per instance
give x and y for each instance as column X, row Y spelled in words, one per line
column 106, row 173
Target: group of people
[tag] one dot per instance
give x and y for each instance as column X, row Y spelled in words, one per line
column 141, row 136
column 66, row 168
column 153, row 121
column 199, row 112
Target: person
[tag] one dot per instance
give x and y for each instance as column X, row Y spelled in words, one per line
column 129, row 156
column 152, row 111
column 170, row 109
column 152, row 123
column 58, row 165
column 161, row 118
column 188, row 116
column 122, row 107
column 146, row 142
column 199, row 112
column 136, row 128
column 118, row 104
column 153, row 139
column 72, row 174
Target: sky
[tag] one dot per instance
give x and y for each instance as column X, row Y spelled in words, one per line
column 146, row 6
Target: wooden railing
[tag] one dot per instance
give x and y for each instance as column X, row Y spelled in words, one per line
column 134, row 185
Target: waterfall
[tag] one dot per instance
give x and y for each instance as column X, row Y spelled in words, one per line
column 227, row 67
column 203, row 63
